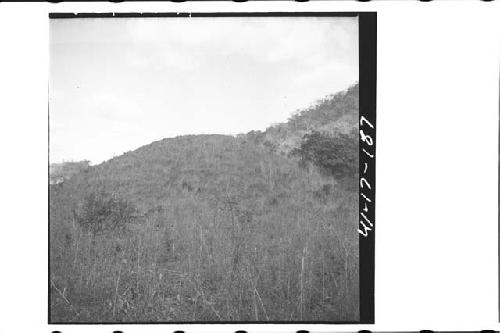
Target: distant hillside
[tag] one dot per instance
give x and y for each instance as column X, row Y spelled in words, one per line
column 211, row 227
column 59, row 172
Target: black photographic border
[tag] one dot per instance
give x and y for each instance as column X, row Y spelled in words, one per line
column 367, row 28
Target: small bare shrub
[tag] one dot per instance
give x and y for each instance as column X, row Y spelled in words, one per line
column 101, row 212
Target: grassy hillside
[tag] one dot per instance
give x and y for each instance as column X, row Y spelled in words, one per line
column 205, row 228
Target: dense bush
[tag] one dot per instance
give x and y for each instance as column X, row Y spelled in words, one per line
column 100, row 212
column 336, row 156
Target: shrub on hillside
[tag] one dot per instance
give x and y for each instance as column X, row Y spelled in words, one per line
column 101, row 212
column 337, row 156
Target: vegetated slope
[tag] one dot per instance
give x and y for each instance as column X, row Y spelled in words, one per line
column 333, row 115
column 222, row 228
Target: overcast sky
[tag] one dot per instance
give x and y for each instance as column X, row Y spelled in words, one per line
column 120, row 83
